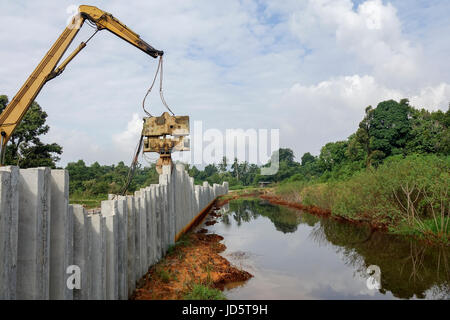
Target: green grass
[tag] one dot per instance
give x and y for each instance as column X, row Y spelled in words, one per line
column 184, row 241
column 426, row 229
column 165, row 275
column 88, row 203
column 202, row 292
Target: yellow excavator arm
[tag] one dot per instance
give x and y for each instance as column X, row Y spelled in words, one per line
column 48, row 67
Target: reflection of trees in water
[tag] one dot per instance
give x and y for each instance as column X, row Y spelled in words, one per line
column 284, row 219
column 439, row 292
column 408, row 267
column 318, row 235
column 226, row 218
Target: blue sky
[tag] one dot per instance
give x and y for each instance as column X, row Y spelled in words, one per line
column 306, row 67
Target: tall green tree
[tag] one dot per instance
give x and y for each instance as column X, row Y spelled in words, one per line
column 223, row 165
column 362, row 134
column 429, row 132
column 286, row 155
column 307, row 158
column 333, row 154
column 235, row 168
column 25, row 148
column 385, row 130
column 390, row 126
column 211, row 169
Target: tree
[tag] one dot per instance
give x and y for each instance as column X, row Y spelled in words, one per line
column 211, row 169
column 390, row 126
column 362, row 134
column 355, row 150
column 429, row 132
column 307, row 158
column 25, row 148
column 235, row 168
column 286, row 155
column 193, row 172
column 332, row 154
column 223, row 165
column 384, row 131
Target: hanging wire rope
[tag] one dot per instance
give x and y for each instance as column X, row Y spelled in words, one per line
column 150, row 89
column 161, row 87
column 134, row 163
column 132, row 170
column 159, row 70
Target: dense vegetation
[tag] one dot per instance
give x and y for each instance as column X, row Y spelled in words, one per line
column 408, row 195
column 391, row 129
column 94, row 182
column 393, row 170
column 25, row 149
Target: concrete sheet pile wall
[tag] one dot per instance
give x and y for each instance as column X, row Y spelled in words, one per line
column 52, row 250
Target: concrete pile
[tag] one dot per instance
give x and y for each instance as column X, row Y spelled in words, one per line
column 45, row 243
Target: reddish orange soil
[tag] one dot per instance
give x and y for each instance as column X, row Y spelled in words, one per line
column 195, row 260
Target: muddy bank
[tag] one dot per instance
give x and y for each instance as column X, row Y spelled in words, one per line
column 194, row 260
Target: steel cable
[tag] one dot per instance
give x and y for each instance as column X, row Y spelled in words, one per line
column 159, row 70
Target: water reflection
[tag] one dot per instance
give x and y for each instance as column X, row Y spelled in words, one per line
column 298, row 255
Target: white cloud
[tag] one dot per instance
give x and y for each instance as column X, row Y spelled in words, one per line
column 310, row 115
column 125, row 142
column 306, row 67
column 432, row 98
column 77, row 145
column 372, row 34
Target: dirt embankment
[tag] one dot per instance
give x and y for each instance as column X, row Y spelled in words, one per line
column 194, row 260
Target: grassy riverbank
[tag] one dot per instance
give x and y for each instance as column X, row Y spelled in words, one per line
column 407, row 195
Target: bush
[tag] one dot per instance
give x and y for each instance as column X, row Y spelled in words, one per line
column 407, row 193
column 291, row 190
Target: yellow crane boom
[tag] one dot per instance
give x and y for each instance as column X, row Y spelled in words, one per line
column 48, row 67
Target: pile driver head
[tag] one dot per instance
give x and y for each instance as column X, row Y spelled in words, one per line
column 164, row 135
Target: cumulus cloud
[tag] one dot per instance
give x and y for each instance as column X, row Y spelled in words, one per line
column 372, row 34
column 306, row 67
column 126, row 141
column 333, row 108
column 432, row 98
column 77, row 145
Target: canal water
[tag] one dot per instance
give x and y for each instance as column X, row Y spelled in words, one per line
column 295, row 255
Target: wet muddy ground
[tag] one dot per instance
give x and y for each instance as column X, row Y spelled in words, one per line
column 195, row 259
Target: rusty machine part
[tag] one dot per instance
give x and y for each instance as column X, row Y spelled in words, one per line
column 164, row 135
